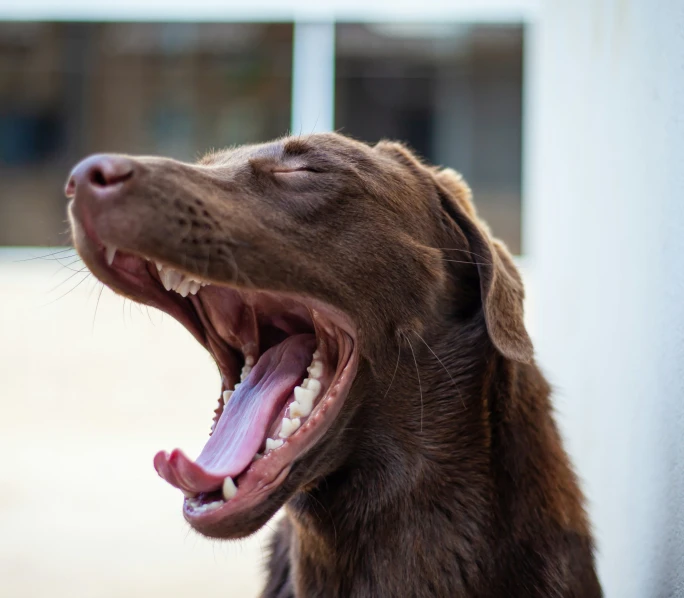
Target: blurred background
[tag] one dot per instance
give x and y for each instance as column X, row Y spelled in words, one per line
column 565, row 118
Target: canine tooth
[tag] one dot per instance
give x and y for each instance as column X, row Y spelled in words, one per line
column 159, row 266
column 226, row 396
column 315, row 369
column 272, row 444
column 298, row 410
column 174, row 278
column 189, row 493
column 229, row 488
column 110, row 252
column 167, row 278
column 289, row 426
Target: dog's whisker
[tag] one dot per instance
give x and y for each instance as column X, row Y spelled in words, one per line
column 68, row 278
column 461, row 250
column 467, row 262
column 420, row 386
column 87, row 275
column 396, row 367
column 443, row 366
column 49, row 256
column 97, row 304
column 68, row 266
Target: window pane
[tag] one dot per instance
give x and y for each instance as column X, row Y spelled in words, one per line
column 452, row 92
column 71, row 89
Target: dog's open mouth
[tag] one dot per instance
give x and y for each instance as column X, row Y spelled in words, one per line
column 286, row 365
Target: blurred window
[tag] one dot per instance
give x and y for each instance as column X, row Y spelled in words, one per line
column 453, row 92
column 71, row 89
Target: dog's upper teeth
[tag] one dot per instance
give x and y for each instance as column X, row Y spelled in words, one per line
column 289, row 426
column 175, row 281
column 229, row 488
column 170, row 278
column 110, row 252
column 184, row 287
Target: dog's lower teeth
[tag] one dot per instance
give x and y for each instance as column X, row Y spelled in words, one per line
column 315, row 369
column 289, row 426
column 246, row 369
column 305, row 398
column 229, row 489
column 198, row 507
column 272, row 444
column 226, row 396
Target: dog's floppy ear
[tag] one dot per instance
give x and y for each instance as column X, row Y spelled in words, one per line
column 501, row 287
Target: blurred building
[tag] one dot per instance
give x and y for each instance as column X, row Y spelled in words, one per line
column 451, row 91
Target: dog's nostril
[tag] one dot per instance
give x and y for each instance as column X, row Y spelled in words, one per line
column 97, row 177
column 109, row 173
column 100, row 174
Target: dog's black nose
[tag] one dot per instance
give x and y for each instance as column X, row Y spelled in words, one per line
column 99, row 174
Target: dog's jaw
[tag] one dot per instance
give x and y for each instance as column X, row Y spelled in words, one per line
column 229, row 495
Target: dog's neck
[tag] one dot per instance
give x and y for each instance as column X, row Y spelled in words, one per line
column 435, row 486
column 373, row 517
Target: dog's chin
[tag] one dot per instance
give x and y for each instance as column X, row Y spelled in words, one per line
column 287, row 362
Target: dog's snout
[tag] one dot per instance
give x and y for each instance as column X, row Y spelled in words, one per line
column 100, row 174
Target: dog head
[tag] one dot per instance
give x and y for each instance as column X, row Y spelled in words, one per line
column 296, row 263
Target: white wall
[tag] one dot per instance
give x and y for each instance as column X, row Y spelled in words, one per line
column 604, row 232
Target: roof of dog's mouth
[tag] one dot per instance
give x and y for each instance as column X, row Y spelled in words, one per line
column 286, row 365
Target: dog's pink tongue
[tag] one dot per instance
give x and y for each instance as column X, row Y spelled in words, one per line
column 245, row 419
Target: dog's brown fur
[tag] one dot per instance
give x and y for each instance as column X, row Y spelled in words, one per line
column 444, row 474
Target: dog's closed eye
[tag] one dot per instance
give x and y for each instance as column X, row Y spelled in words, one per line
column 296, row 170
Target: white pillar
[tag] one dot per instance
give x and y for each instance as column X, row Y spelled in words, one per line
column 313, row 77
column 604, row 233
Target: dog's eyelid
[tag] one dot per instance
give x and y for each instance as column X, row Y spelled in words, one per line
column 295, row 170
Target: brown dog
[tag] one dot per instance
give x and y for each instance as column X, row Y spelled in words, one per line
column 388, row 397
